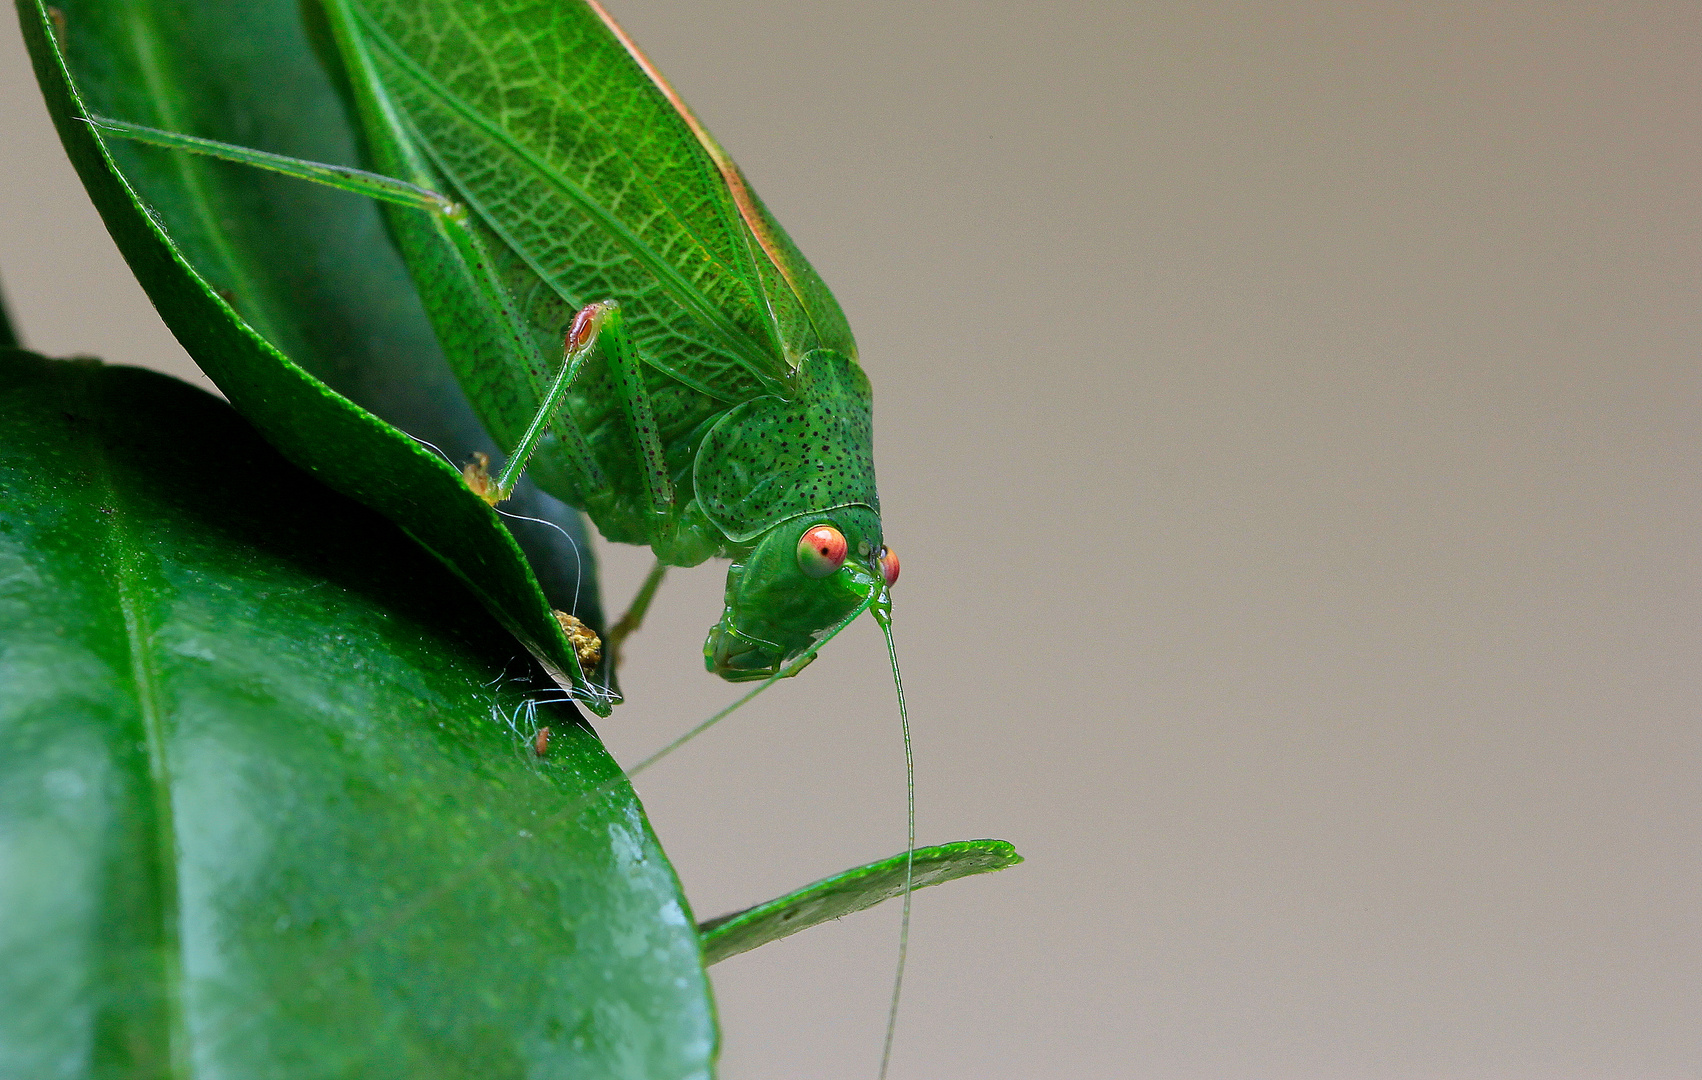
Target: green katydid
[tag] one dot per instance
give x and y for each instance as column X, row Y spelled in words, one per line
column 620, row 308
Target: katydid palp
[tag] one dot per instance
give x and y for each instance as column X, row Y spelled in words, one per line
column 623, row 313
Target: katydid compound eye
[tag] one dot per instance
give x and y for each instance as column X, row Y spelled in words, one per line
column 821, row 551
column 889, row 566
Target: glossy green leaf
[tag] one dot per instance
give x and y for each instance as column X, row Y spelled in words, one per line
column 254, row 272
column 849, row 892
column 269, row 805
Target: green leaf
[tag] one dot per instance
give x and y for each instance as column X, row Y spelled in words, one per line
column 253, row 272
column 849, row 892
column 268, row 800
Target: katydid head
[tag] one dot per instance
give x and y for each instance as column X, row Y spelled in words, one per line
column 802, row 578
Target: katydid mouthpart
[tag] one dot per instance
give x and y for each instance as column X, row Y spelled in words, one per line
column 622, row 312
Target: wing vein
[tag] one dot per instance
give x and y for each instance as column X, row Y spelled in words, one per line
column 744, row 349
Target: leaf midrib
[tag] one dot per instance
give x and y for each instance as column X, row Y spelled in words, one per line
column 189, row 167
column 123, row 560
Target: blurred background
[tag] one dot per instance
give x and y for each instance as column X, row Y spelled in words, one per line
column 1288, row 416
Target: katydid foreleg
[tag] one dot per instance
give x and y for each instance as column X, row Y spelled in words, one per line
column 576, row 350
column 600, row 327
column 634, row 617
column 601, row 323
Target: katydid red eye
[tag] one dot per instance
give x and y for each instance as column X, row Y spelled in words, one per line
column 889, row 566
column 821, row 551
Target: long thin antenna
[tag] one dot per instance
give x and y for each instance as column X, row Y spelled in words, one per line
column 760, row 687
column 578, row 556
column 883, row 615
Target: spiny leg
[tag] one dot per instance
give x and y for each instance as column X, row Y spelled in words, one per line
column 580, row 339
column 600, row 323
column 609, row 327
column 597, row 321
column 634, row 617
column 342, row 177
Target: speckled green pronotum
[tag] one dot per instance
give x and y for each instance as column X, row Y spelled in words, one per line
column 627, row 319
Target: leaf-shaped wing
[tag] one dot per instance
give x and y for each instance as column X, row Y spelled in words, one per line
column 590, row 168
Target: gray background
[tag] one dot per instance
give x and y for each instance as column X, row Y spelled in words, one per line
column 1288, row 417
